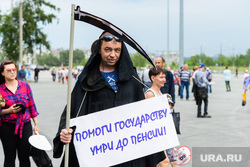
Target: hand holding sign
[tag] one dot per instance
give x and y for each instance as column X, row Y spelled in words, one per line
column 66, row 135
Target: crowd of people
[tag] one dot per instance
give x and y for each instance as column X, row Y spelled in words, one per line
column 181, row 79
column 60, row 74
column 24, row 74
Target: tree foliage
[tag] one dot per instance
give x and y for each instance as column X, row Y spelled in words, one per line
column 34, row 17
column 139, row 60
column 238, row 60
column 78, row 57
column 48, row 59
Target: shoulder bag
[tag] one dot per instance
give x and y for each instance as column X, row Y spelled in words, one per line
column 176, row 119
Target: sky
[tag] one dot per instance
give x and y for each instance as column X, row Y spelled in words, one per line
column 210, row 26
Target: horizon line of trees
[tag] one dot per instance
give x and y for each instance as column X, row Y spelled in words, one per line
column 238, row 60
column 139, row 61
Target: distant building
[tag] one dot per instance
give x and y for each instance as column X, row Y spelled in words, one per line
column 87, row 53
column 31, row 58
column 56, row 52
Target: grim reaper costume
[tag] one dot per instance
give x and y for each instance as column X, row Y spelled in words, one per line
column 101, row 96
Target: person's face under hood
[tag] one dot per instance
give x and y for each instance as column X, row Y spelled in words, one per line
column 110, row 52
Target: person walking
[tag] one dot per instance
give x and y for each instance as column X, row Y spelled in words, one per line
column 227, row 77
column 236, row 72
column 21, row 75
column 246, row 86
column 209, row 76
column 201, row 82
column 36, row 73
column 29, row 74
column 169, row 84
column 60, row 75
column 194, row 88
column 15, row 125
column 179, row 86
column 67, row 74
column 158, row 77
column 75, row 72
column 184, row 81
column 63, row 72
column 245, row 76
column 108, row 79
column 53, row 73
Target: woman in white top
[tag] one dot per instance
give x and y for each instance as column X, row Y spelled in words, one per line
column 158, row 77
column 246, row 74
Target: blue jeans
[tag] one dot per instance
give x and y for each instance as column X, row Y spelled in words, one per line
column 210, row 87
column 186, row 84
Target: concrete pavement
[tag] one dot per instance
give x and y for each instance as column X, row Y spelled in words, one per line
column 228, row 127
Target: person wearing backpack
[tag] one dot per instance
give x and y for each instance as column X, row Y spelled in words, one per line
column 209, row 78
column 201, row 82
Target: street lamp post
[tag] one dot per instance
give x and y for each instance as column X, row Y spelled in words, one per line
column 233, row 59
column 168, row 63
column 181, row 43
column 220, row 54
column 20, row 34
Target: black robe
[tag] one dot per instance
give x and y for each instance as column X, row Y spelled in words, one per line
column 101, row 96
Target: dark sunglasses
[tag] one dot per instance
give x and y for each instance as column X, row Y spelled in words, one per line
column 108, row 38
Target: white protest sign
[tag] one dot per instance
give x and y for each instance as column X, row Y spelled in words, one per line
column 124, row 133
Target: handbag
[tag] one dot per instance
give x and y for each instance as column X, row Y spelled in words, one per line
column 202, row 93
column 40, row 157
column 176, row 119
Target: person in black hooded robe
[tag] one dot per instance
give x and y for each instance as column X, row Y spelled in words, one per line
column 93, row 93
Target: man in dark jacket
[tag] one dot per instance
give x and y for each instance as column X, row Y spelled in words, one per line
column 36, row 73
column 169, row 85
column 21, row 75
column 108, row 80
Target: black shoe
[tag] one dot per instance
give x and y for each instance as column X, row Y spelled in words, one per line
column 207, row 116
column 199, row 116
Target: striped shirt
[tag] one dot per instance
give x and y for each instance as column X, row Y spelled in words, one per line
column 185, row 75
column 22, row 95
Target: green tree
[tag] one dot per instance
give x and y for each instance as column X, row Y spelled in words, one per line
column 208, row 61
column 2, row 56
column 78, row 57
column 240, row 60
column 193, row 60
column 138, row 60
column 33, row 18
column 48, row 59
column 174, row 65
column 247, row 58
column 221, row 60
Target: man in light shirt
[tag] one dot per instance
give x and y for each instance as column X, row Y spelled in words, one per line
column 227, row 77
column 201, row 82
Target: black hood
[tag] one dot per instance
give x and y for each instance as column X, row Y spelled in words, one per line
column 91, row 77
